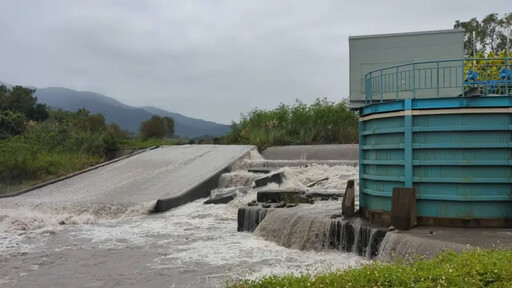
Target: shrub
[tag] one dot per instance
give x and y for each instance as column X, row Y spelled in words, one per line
column 157, row 128
column 323, row 122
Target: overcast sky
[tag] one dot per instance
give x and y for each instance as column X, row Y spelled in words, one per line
column 207, row 59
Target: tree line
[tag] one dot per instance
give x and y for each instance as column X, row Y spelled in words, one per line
column 38, row 143
column 491, row 34
column 323, row 122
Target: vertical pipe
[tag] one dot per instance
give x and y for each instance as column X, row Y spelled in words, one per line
column 408, row 173
column 396, row 82
column 437, row 86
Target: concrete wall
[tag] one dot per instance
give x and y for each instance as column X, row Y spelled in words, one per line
column 368, row 53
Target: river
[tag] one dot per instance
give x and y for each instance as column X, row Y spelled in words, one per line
column 195, row 245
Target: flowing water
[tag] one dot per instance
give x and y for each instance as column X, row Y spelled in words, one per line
column 84, row 244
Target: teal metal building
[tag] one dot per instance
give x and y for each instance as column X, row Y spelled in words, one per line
column 443, row 128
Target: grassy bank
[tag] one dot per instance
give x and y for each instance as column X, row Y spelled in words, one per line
column 475, row 268
column 322, row 122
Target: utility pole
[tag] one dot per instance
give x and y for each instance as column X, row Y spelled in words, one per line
column 508, row 47
column 474, row 48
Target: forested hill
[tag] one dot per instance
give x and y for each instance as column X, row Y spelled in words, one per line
column 127, row 117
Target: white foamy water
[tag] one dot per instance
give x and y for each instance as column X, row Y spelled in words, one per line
column 195, row 245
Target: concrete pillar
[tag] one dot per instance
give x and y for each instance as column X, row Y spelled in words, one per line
column 403, row 208
column 348, row 204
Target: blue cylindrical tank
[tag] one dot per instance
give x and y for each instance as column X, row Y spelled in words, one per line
column 456, row 152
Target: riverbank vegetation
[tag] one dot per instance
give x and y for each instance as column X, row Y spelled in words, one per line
column 323, row 122
column 474, row 268
column 38, row 144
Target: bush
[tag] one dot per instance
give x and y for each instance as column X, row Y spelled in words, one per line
column 323, row 122
column 157, row 128
column 66, row 142
column 11, row 124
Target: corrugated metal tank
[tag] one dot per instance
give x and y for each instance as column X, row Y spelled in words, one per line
column 456, row 152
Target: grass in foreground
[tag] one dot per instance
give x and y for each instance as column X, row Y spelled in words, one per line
column 474, row 268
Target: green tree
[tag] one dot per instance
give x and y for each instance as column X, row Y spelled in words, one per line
column 22, row 100
column 490, row 33
column 157, row 128
column 169, row 126
column 11, row 124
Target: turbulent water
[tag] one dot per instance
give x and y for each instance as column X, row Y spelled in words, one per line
column 84, row 244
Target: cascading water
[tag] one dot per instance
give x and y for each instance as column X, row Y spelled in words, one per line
column 194, row 245
column 249, row 218
column 355, row 237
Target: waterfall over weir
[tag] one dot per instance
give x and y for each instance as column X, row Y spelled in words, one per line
column 312, row 229
column 351, row 236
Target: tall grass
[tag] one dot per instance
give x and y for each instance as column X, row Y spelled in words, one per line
column 322, row 122
column 474, row 268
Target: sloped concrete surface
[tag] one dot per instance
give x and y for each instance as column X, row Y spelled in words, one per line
column 156, row 174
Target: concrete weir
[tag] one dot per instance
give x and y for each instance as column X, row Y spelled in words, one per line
column 168, row 176
column 310, row 230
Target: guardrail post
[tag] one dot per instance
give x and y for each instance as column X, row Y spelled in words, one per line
column 396, row 81
column 380, row 86
column 437, row 87
column 413, row 80
column 366, row 89
column 486, row 89
column 462, row 78
column 506, row 78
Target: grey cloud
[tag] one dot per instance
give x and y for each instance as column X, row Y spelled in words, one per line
column 207, row 59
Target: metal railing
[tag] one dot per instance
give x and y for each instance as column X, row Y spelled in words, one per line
column 444, row 78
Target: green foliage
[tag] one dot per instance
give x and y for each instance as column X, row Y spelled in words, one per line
column 23, row 160
column 490, row 33
column 157, row 128
column 64, row 143
column 323, row 122
column 11, row 123
column 474, row 268
column 21, row 100
column 487, row 65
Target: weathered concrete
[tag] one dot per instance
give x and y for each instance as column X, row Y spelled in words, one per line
column 222, row 199
column 261, row 170
column 313, row 152
column 269, row 178
column 348, row 207
column 295, row 163
column 226, row 195
column 173, row 175
column 403, row 208
column 307, row 230
column 278, row 195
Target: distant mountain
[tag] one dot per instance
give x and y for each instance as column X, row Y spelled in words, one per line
column 127, row 117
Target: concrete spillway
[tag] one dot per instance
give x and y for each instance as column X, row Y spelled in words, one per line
column 171, row 172
column 82, row 232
